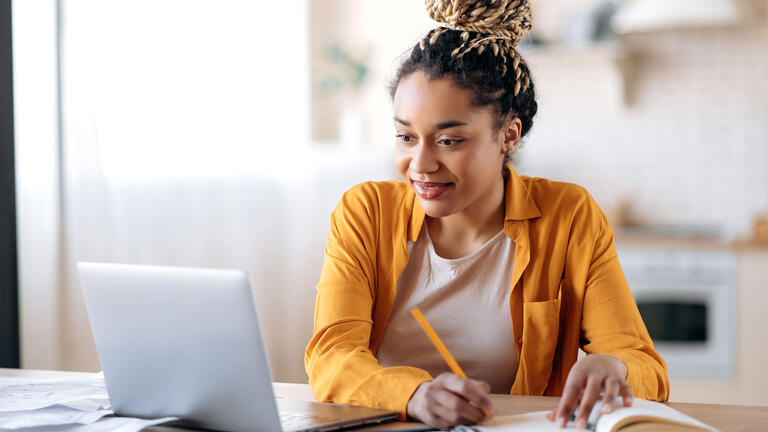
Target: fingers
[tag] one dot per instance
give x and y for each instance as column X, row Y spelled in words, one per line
column 457, row 410
column 475, row 392
column 611, row 392
column 449, row 401
column 568, row 401
column 612, row 388
column 551, row 415
column 626, row 393
column 588, row 399
column 442, row 417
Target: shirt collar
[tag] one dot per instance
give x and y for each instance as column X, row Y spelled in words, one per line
column 519, row 202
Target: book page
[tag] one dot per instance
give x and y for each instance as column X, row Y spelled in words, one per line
column 644, row 409
column 654, row 412
column 532, row 421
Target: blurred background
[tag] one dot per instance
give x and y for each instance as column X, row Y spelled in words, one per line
column 222, row 135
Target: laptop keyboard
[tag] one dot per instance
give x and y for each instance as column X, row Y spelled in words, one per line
column 298, row 421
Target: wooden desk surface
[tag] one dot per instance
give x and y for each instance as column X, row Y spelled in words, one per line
column 724, row 417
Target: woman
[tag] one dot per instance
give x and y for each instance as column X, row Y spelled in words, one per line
column 515, row 273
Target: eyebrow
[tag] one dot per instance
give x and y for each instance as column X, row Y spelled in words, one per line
column 438, row 126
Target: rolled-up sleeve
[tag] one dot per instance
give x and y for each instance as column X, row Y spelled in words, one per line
column 611, row 322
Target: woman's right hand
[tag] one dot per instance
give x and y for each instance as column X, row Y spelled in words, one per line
column 450, row 401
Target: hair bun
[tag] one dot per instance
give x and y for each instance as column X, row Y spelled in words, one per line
column 509, row 19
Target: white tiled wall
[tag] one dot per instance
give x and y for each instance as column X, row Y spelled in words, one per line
column 688, row 145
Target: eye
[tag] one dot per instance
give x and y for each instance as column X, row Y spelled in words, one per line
column 449, row 142
column 405, row 138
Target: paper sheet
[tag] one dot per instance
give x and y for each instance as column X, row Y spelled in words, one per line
column 48, row 416
column 25, row 393
column 64, row 404
column 106, row 424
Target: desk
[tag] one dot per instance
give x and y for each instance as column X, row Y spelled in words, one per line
column 724, row 417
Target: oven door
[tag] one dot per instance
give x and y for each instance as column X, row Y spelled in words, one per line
column 691, row 325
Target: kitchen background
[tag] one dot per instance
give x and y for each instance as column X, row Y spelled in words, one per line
column 204, row 139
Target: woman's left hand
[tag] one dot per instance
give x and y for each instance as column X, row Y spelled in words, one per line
column 589, row 377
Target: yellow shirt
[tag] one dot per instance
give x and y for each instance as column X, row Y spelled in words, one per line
column 568, row 291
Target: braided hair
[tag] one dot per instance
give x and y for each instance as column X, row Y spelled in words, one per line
column 475, row 47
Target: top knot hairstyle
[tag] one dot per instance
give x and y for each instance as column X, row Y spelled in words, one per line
column 475, row 47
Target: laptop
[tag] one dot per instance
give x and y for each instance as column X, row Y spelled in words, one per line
column 186, row 342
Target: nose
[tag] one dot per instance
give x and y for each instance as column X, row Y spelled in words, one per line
column 423, row 159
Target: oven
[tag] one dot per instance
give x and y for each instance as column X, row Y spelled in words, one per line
column 686, row 299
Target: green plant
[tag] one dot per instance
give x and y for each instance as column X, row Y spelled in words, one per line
column 348, row 72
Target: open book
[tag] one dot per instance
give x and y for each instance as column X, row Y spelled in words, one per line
column 643, row 415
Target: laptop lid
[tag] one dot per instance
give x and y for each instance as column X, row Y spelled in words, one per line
column 185, row 342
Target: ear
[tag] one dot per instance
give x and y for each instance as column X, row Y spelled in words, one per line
column 511, row 133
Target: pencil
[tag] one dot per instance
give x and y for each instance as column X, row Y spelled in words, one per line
column 438, row 343
column 441, row 348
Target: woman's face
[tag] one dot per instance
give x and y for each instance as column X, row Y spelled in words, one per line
column 447, row 150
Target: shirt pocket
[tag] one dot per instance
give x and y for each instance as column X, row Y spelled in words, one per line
column 541, row 325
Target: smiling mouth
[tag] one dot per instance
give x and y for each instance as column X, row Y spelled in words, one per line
column 430, row 190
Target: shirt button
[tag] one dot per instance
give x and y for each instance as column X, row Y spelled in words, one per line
column 520, row 340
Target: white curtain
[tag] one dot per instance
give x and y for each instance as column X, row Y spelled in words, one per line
column 185, row 142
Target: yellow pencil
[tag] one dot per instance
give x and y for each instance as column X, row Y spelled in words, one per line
column 438, row 343
column 441, row 348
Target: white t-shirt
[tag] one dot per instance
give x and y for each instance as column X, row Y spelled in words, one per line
column 466, row 300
